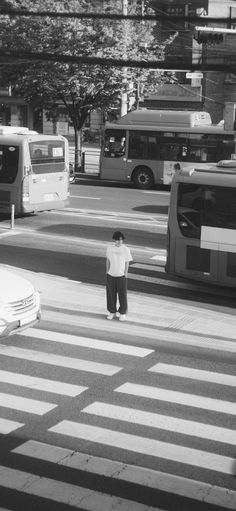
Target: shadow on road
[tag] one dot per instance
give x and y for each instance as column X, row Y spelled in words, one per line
column 90, row 269
column 152, row 209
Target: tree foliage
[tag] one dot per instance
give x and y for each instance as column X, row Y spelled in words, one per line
column 81, row 88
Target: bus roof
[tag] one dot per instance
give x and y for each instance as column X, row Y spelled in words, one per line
column 222, row 173
column 169, row 129
column 16, row 130
column 183, row 118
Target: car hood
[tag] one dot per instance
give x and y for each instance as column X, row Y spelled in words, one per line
column 13, row 287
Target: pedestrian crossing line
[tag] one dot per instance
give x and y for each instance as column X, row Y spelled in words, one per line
column 158, row 330
column 178, row 485
column 25, row 404
column 66, row 493
column 154, row 420
column 146, row 446
column 7, row 426
column 60, row 361
column 87, row 342
column 149, row 267
column 172, row 396
column 31, row 382
column 194, row 374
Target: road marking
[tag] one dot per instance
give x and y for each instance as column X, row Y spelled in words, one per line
column 25, row 404
column 8, row 233
column 148, row 267
column 86, row 342
column 106, row 218
column 161, row 257
column 66, row 493
column 159, row 329
column 195, row 374
column 31, row 382
column 145, row 477
column 7, row 426
column 156, row 192
column 146, row 446
column 84, row 197
column 172, row 396
column 165, row 422
column 58, row 360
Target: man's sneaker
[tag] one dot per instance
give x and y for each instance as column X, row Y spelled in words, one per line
column 122, row 317
column 110, row 315
column 118, row 314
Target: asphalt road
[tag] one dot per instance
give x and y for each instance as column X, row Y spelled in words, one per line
column 130, row 422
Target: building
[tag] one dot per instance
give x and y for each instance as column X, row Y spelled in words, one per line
column 211, row 91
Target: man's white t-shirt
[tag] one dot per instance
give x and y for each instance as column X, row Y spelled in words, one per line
column 118, row 256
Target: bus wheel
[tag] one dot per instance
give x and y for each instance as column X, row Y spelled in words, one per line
column 143, row 178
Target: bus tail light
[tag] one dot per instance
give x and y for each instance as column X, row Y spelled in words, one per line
column 25, row 189
column 27, row 170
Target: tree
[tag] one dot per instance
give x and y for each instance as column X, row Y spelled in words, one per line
column 81, row 88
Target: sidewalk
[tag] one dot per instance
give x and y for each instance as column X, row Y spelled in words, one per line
column 153, row 317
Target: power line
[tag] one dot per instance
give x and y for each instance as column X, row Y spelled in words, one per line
column 112, row 62
column 114, row 16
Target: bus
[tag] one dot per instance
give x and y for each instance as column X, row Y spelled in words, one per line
column 34, row 171
column 202, row 224
column 146, row 147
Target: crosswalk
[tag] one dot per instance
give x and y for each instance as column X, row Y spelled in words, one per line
column 109, row 424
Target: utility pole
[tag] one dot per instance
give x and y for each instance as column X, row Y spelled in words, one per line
column 124, row 95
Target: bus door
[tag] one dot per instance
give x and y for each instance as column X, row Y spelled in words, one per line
column 9, row 177
column 113, row 163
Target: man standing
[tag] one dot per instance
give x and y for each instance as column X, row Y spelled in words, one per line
column 118, row 257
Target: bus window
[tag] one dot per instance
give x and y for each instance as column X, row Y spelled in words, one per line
column 210, row 147
column 174, row 146
column 222, row 209
column 114, row 145
column 9, row 157
column 189, row 207
column 143, row 145
column 47, row 156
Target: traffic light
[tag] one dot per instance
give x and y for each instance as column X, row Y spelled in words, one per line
column 208, row 36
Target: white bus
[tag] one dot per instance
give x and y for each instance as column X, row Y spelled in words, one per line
column 34, row 171
column 146, row 147
column 202, row 224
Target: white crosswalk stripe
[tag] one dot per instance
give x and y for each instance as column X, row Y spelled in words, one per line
column 165, row 422
column 194, row 374
column 87, row 342
column 172, row 396
column 136, row 431
column 146, row 446
column 25, row 404
column 58, row 360
column 178, row 485
column 7, row 426
column 31, row 382
column 66, row 493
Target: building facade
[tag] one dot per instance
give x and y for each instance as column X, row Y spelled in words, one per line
column 211, row 91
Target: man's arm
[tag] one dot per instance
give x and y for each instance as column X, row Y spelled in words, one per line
column 107, row 265
column 126, row 268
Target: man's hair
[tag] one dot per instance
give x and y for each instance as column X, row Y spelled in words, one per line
column 118, row 235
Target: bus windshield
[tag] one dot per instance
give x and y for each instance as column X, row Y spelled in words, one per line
column 47, row 156
column 212, row 206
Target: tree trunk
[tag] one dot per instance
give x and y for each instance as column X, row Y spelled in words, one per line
column 78, row 150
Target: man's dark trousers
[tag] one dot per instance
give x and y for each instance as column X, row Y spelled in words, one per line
column 116, row 286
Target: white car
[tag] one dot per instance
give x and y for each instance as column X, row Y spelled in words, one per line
column 19, row 304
